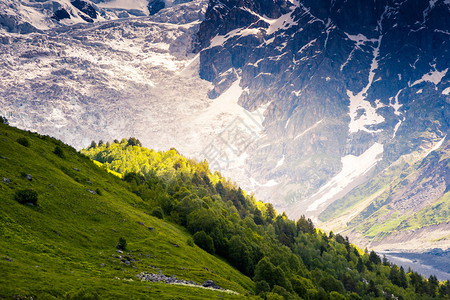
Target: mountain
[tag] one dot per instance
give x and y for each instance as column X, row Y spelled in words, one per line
column 71, row 229
column 38, row 15
column 302, row 102
column 351, row 86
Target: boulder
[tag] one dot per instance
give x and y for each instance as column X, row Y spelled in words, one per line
column 210, row 284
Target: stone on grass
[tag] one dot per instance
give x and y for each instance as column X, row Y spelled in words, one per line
column 210, row 284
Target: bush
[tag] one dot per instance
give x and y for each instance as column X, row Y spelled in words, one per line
column 204, row 241
column 24, row 142
column 158, row 212
column 59, row 152
column 122, row 244
column 99, row 192
column 26, row 196
column 3, row 120
column 190, row 242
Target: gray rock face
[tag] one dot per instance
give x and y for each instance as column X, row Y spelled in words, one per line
column 339, row 78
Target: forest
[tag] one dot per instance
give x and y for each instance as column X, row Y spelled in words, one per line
column 285, row 259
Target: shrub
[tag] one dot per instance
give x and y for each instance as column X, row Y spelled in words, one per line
column 122, row 244
column 24, row 142
column 3, row 120
column 190, row 242
column 59, row 152
column 158, row 212
column 99, row 192
column 26, row 196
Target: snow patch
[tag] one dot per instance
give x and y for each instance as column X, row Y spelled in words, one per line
column 307, row 130
column 280, row 162
column 125, row 4
column 358, row 101
column 219, row 40
column 437, row 146
column 307, row 46
column 433, row 76
column 397, row 126
column 396, row 105
column 447, row 90
column 284, row 22
column 352, row 168
column 359, row 39
column 287, row 123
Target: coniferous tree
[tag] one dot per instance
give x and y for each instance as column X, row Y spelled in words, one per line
column 3, row 120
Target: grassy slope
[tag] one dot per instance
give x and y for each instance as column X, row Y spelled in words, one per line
column 58, row 246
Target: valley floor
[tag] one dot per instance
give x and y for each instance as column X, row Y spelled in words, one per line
column 427, row 263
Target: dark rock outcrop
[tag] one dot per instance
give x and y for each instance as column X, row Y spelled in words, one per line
column 154, row 6
column 61, row 14
column 86, row 8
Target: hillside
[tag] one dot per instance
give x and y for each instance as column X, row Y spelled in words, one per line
column 166, row 205
column 316, row 251
column 66, row 244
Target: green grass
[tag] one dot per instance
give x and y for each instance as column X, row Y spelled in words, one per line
column 436, row 213
column 57, row 248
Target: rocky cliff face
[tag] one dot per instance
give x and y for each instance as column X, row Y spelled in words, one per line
column 26, row 16
column 342, row 80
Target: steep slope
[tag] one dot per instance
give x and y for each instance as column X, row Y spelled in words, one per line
column 388, row 211
column 125, row 77
column 350, row 87
column 66, row 244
